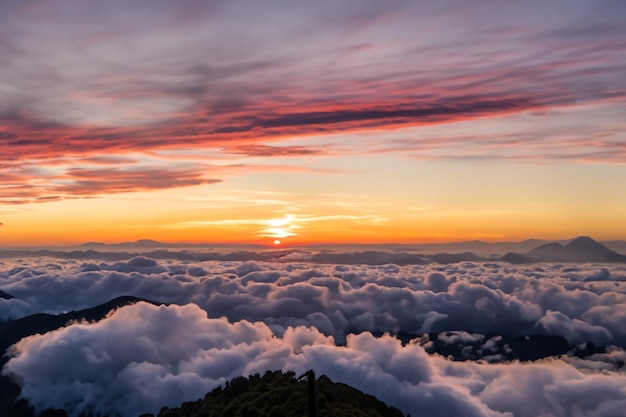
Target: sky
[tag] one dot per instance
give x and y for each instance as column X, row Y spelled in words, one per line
column 311, row 122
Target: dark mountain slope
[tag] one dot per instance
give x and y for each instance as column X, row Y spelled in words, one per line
column 278, row 394
column 370, row 258
column 586, row 245
column 516, row 258
column 449, row 258
column 581, row 249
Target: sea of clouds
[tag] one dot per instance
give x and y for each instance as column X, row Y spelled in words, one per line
column 227, row 319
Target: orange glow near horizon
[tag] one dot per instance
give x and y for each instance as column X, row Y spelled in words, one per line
column 136, row 216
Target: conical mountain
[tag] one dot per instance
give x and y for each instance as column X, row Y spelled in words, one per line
column 580, row 249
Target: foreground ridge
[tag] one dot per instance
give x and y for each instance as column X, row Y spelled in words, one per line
column 278, row 394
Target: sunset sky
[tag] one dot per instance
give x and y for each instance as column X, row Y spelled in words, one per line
column 311, row 121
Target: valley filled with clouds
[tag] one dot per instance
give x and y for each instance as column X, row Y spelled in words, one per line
column 371, row 326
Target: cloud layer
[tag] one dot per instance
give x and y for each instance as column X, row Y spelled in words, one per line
column 143, row 356
column 112, row 79
column 582, row 302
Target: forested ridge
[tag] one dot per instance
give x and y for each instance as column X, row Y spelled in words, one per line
column 277, row 394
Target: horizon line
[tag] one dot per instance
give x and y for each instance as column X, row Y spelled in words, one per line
column 286, row 243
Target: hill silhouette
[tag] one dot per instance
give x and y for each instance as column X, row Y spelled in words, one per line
column 516, row 258
column 580, row 249
column 142, row 243
column 277, row 394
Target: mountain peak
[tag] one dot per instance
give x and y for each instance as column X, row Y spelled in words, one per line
column 586, row 244
column 582, row 239
column 146, row 241
column 580, row 249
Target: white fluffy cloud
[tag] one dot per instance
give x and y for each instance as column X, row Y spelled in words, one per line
column 143, row 357
column 580, row 302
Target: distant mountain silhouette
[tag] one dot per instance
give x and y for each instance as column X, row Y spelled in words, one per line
column 370, row 258
column 120, row 255
column 516, row 258
column 580, row 249
column 142, row 243
column 93, row 244
column 449, row 258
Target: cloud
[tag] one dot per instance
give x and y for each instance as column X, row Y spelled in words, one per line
column 70, row 178
column 575, row 330
column 87, row 182
column 93, row 81
column 143, row 357
column 51, row 179
column 158, row 359
column 287, row 225
column 274, row 151
column 447, row 110
column 484, row 298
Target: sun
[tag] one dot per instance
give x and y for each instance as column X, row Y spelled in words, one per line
column 277, row 242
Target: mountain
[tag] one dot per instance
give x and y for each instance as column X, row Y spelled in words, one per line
column 477, row 247
column 580, row 249
column 142, row 243
column 370, row 258
column 449, row 258
column 516, row 258
column 547, row 252
column 277, row 394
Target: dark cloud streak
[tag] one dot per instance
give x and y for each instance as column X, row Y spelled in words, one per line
column 448, row 110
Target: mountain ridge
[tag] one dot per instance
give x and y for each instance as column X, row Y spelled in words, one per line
column 579, row 249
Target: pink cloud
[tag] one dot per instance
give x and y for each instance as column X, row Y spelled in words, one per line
column 97, row 84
